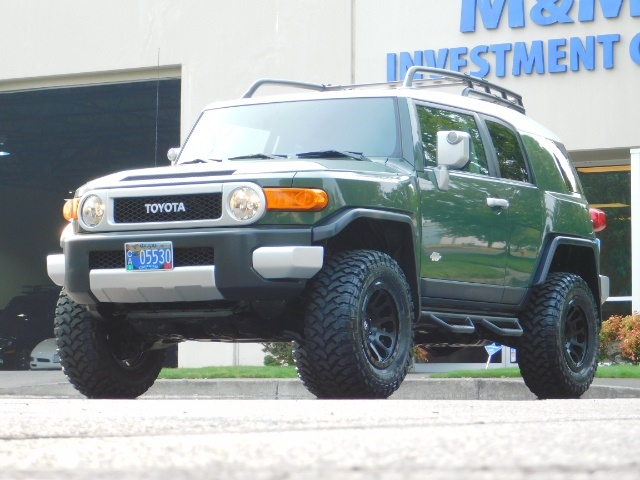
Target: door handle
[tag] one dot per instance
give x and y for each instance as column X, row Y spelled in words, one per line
column 498, row 202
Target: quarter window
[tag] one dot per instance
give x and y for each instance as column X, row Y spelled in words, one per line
column 508, row 151
column 433, row 120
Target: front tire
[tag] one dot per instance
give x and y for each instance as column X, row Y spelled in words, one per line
column 558, row 354
column 358, row 331
column 92, row 362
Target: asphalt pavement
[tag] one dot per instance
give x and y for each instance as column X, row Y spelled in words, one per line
column 53, row 384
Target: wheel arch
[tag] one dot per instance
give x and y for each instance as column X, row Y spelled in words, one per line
column 392, row 233
column 571, row 255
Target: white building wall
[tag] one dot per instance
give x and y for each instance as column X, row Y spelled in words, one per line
column 220, row 47
column 206, row 354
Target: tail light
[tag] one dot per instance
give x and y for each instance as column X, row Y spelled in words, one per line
column 598, row 219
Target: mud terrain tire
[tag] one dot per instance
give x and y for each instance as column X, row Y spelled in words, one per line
column 558, row 353
column 358, row 334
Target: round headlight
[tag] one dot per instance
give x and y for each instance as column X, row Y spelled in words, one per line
column 92, row 210
column 244, row 203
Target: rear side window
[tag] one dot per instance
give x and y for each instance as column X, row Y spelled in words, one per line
column 510, row 157
column 433, row 120
column 551, row 161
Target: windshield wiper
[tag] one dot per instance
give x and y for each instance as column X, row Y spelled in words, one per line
column 333, row 154
column 257, row 155
column 200, row 160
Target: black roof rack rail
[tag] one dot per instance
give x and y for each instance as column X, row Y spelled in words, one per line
column 290, row 83
column 316, row 86
column 475, row 87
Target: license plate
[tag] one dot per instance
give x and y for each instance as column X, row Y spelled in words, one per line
column 148, row 256
column 56, row 358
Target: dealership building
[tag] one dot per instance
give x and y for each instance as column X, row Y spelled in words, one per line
column 88, row 88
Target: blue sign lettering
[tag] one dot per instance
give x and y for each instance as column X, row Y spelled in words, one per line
column 457, row 60
column 543, row 12
column 556, row 54
column 582, row 53
column 610, row 9
column 634, row 49
column 501, row 50
column 608, row 42
column 548, row 12
column 525, row 61
column 439, row 61
column 491, row 13
column 552, row 56
column 479, row 60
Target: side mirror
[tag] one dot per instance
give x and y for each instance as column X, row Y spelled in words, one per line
column 453, row 152
column 172, row 154
column 453, row 149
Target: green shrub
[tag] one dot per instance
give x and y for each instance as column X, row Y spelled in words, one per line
column 278, row 353
column 626, row 331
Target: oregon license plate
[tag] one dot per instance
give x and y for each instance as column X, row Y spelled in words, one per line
column 148, row 256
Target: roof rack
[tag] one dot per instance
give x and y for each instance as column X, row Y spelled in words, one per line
column 475, row 87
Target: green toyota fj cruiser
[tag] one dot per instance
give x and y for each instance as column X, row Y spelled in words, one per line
column 352, row 220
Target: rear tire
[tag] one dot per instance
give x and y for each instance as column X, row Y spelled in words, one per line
column 90, row 361
column 558, row 354
column 358, row 331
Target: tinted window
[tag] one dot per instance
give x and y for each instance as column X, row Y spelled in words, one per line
column 508, row 151
column 553, row 163
column 566, row 167
column 433, row 120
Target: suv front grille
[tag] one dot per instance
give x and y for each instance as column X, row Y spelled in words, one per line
column 169, row 208
column 182, row 257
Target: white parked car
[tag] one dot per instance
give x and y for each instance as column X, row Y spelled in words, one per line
column 45, row 356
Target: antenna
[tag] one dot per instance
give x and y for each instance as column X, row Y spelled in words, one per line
column 157, row 108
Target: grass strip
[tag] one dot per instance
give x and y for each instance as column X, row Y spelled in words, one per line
column 605, row 371
column 609, row 371
column 228, row 372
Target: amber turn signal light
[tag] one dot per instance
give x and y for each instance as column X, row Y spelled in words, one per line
column 296, row 199
column 70, row 209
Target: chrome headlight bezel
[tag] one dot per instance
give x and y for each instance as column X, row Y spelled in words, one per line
column 245, row 203
column 92, row 211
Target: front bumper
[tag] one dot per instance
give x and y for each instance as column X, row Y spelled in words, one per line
column 250, row 264
column 604, row 289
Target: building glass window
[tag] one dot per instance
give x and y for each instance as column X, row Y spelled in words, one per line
column 609, row 189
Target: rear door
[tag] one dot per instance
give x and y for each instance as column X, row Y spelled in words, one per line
column 525, row 213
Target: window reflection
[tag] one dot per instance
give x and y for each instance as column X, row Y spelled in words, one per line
column 433, row 120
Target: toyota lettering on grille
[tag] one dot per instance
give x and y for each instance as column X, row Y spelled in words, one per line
column 165, row 207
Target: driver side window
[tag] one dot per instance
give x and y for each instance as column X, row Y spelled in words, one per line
column 433, row 120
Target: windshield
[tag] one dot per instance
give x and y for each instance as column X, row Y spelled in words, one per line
column 364, row 126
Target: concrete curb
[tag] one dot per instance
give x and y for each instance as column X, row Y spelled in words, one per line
column 292, row 389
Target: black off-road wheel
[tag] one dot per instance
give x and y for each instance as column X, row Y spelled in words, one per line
column 358, row 333
column 558, row 354
column 97, row 364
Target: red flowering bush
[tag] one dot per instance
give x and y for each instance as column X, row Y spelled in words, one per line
column 420, row 354
column 626, row 331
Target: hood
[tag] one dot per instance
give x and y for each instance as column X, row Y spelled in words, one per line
column 177, row 174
